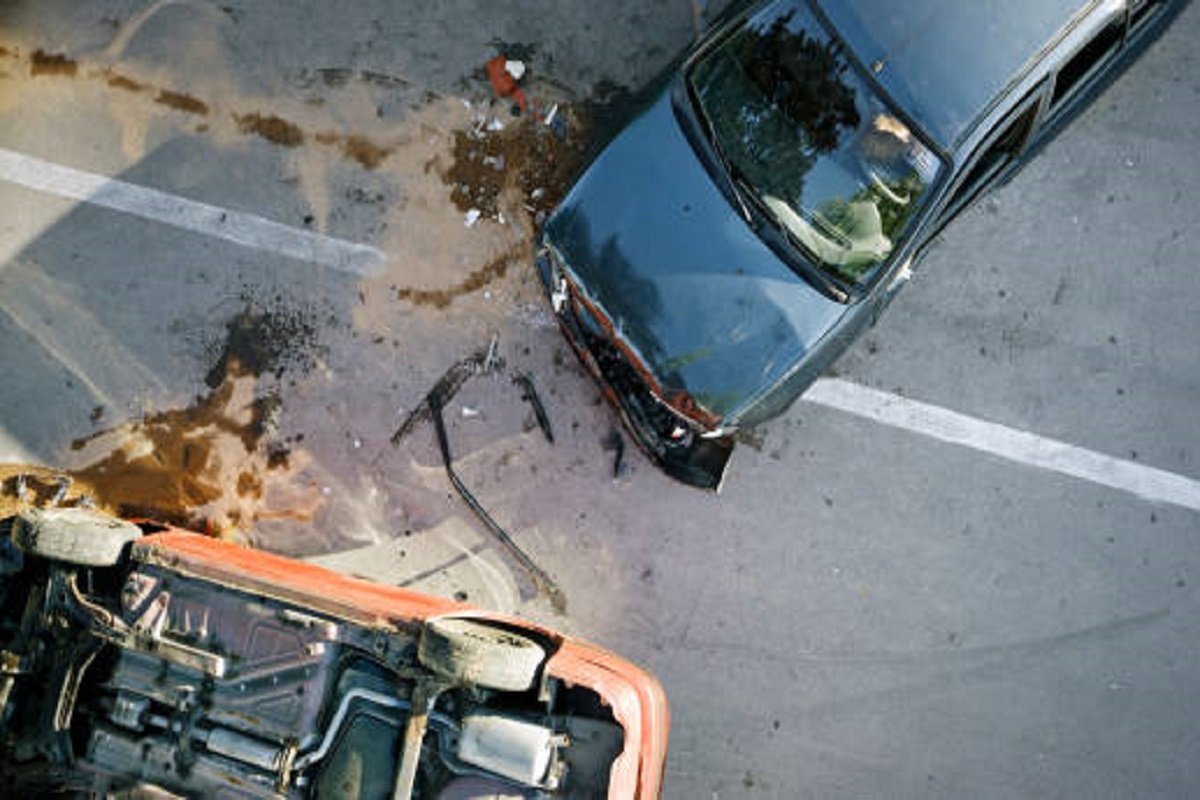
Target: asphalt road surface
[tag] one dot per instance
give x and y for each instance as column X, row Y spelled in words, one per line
column 235, row 253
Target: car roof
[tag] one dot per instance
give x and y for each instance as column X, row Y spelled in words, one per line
column 946, row 61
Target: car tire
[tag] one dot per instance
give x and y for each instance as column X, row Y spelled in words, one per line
column 470, row 652
column 74, row 535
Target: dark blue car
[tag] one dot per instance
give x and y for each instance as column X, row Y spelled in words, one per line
column 763, row 209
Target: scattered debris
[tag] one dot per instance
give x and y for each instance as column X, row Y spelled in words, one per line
column 615, row 444
column 504, row 75
column 539, row 576
column 493, row 361
column 446, row 387
column 532, row 161
column 22, row 490
column 431, row 409
column 515, row 68
column 471, row 217
column 529, row 394
column 62, row 486
column 24, row 486
column 471, row 413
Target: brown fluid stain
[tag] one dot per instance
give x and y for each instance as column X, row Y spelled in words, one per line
column 43, row 63
column 213, row 465
column 182, row 102
column 356, row 148
column 272, row 128
column 168, row 464
column 523, row 168
column 441, row 298
column 207, row 467
column 249, row 485
column 525, row 155
column 118, row 81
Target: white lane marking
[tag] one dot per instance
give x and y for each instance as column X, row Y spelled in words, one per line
column 239, row 227
column 989, row 437
column 12, row 451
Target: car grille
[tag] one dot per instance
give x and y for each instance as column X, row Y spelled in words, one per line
column 652, row 420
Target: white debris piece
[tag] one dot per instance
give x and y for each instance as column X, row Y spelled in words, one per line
column 515, row 68
column 472, row 217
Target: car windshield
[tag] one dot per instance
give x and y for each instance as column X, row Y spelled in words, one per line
column 809, row 141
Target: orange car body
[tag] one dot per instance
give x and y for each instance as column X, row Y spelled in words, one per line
column 139, row 655
column 635, row 697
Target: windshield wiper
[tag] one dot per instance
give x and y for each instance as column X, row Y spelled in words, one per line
column 737, row 183
column 743, row 190
column 819, row 272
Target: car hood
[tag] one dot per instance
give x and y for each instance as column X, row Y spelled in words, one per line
column 684, row 280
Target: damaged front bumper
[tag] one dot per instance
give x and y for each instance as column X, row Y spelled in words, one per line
column 676, row 442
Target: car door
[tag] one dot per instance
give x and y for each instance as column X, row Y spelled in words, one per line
column 997, row 157
column 1085, row 68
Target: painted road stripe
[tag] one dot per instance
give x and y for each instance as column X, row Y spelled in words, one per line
column 238, row 227
column 988, row 437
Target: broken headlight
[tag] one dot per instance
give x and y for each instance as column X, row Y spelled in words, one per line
column 556, row 278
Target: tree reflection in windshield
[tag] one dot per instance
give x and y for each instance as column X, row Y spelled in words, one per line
column 825, row 157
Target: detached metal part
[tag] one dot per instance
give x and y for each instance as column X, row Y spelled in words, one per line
column 431, row 408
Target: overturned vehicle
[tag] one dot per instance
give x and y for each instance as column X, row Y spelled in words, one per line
column 138, row 660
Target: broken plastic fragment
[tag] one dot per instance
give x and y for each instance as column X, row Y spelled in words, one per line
column 471, row 413
column 515, row 68
column 472, row 217
column 504, row 84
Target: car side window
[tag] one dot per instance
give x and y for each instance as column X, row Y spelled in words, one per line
column 1141, row 10
column 1086, row 60
column 997, row 154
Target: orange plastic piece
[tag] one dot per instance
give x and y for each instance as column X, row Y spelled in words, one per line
column 503, row 84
